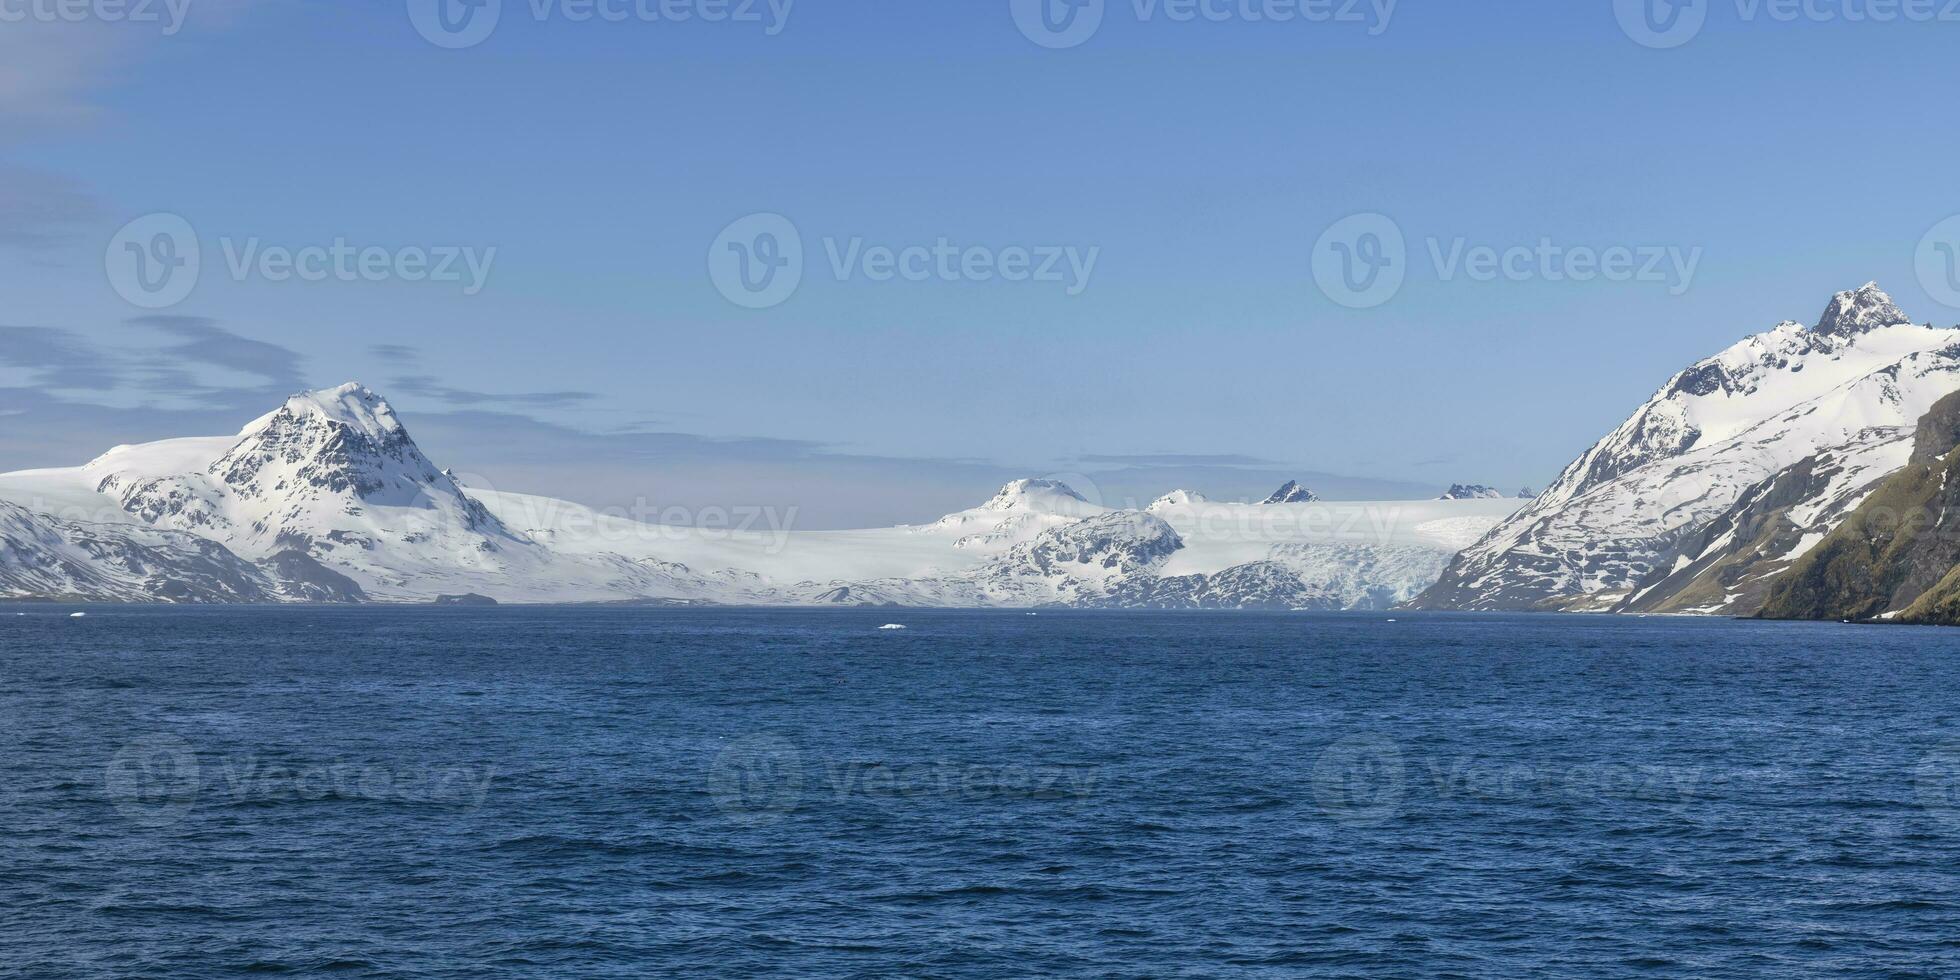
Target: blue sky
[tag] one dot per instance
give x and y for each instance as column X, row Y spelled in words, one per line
column 1200, row 161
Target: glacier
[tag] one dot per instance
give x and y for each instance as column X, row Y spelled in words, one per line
column 328, row 499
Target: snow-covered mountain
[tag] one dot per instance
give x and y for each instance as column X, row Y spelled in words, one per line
column 332, row 474
column 1735, row 468
column 45, row 556
column 1177, row 498
column 1292, row 493
column 1471, row 491
column 1021, row 510
column 327, row 498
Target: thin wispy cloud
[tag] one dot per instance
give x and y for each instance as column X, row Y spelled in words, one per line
column 53, row 68
column 180, row 360
column 428, row 387
column 1175, row 459
column 400, row 353
column 201, row 342
column 57, row 359
column 40, row 210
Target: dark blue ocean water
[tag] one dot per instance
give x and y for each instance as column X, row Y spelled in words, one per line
column 627, row 792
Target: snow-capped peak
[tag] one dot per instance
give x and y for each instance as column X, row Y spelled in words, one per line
column 1292, row 493
column 1846, row 393
column 344, row 439
column 1471, row 491
column 331, row 474
column 1178, row 498
column 1037, row 495
column 1860, row 310
column 1021, row 510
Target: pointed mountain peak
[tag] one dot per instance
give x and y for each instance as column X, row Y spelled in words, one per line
column 1292, row 493
column 1471, row 491
column 337, row 440
column 1860, row 310
column 1025, row 494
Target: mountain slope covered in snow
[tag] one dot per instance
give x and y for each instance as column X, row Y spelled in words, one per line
column 1730, row 472
column 48, row 557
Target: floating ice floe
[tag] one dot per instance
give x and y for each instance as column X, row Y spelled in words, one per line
column 76, row 615
column 892, row 626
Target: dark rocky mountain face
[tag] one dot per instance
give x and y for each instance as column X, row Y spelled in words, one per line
column 1860, row 311
column 1731, row 560
column 1896, row 551
column 293, row 450
column 302, row 578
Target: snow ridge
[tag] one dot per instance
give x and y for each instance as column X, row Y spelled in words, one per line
column 1613, row 522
